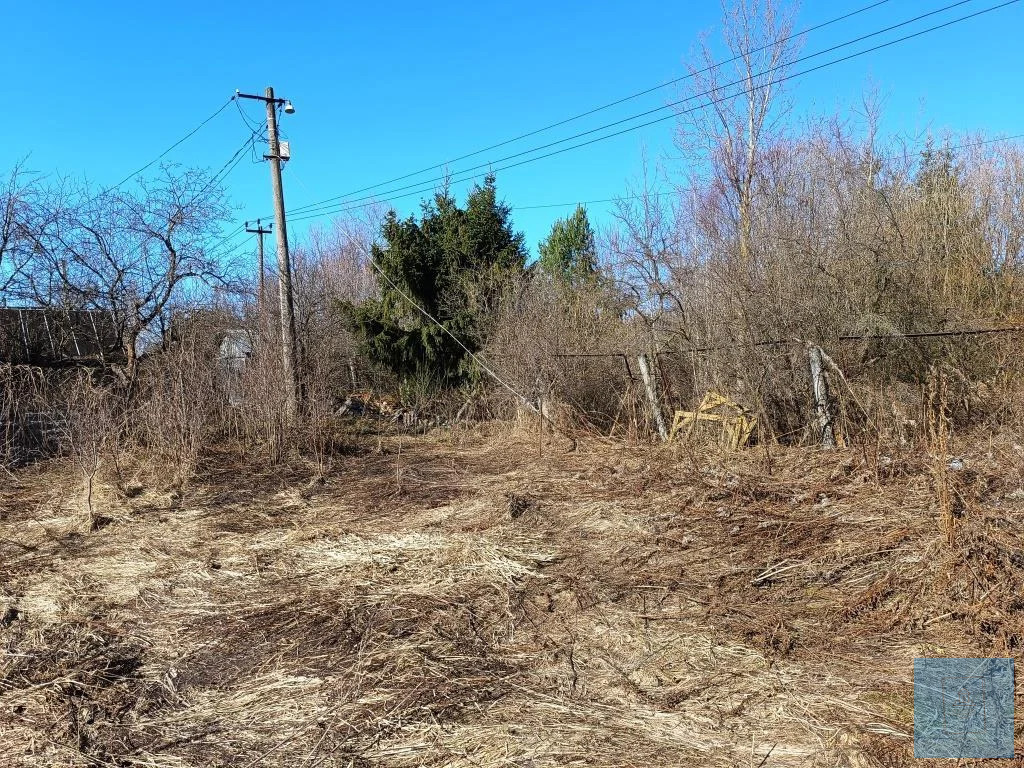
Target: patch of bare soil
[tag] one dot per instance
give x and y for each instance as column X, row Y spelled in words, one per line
column 473, row 601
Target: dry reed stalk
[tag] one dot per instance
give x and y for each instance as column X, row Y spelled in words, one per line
column 939, row 438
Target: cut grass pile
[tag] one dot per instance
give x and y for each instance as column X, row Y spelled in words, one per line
column 468, row 602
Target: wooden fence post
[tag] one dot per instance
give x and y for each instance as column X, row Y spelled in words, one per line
column 822, row 408
column 652, row 396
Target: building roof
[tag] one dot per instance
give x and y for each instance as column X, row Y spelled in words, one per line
column 49, row 337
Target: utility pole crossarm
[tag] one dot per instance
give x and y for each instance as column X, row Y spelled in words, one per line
column 269, row 98
column 260, row 231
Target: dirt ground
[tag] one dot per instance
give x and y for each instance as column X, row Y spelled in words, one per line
column 473, row 599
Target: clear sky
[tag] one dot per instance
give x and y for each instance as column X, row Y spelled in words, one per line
column 383, row 89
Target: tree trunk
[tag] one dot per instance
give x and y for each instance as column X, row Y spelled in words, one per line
column 650, row 385
column 825, row 429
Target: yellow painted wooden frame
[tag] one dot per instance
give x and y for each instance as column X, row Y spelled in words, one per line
column 737, row 426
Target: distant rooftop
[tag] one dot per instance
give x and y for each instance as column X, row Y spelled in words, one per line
column 49, row 337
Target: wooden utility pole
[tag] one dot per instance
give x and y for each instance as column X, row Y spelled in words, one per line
column 260, row 231
column 284, row 268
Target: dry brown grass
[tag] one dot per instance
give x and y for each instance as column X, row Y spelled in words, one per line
column 501, row 607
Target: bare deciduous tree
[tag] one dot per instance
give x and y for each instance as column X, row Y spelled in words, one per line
column 19, row 219
column 131, row 254
column 744, row 110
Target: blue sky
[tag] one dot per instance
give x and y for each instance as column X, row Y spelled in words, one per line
column 382, row 89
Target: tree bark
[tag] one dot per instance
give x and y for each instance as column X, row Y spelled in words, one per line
column 650, row 385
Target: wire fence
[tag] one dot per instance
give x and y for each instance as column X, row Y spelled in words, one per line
column 870, row 378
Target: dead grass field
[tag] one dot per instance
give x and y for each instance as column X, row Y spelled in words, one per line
column 467, row 601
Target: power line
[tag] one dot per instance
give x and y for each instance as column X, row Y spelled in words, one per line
column 313, row 212
column 858, row 337
column 601, row 108
column 475, row 357
column 959, row 332
column 222, row 174
column 312, row 207
column 239, row 230
column 965, row 145
column 184, row 138
column 348, row 205
column 235, row 159
column 245, row 118
column 933, row 334
column 775, row 342
column 455, row 338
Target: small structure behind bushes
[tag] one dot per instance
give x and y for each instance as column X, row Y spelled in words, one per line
column 41, row 349
column 233, row 357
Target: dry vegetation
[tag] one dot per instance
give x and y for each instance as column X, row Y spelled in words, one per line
column 192, row 574
column 463, row 599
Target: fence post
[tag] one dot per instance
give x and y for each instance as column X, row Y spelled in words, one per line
column 822, row 408
column 652, row 396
